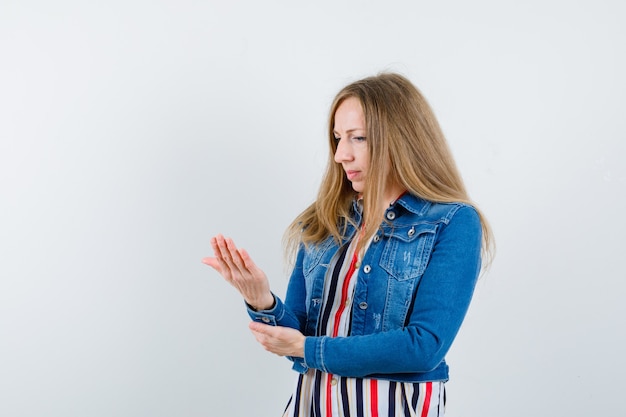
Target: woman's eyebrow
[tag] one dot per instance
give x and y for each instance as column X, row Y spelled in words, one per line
column 350, row 130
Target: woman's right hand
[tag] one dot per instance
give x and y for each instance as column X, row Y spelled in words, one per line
column 237, row 268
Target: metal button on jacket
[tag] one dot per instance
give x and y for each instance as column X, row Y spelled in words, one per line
column 362, row 305
column 391, row 215
column 411, row 231
column 265, row 319
column 376, row 238
column 367, row 269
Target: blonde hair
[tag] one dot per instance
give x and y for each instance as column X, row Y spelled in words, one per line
column 405, row 140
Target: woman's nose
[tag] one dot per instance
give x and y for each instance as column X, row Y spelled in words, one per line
column 342, row 153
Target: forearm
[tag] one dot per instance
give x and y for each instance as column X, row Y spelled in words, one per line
column 396, row 351
column 278, row 315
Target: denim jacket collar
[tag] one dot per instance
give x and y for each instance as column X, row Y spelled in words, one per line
column 412, row 203
column 406, row 201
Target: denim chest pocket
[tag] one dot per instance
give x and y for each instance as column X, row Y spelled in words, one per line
column 407, row 250
column 314, row 255
column 314, row 268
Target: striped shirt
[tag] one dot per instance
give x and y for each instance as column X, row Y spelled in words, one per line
column 321, row 394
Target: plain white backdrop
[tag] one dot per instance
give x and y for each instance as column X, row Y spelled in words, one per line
column 133, row 131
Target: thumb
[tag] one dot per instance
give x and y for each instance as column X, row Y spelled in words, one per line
column 212, row 262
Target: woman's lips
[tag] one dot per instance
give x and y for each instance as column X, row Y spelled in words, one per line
column 352, row 175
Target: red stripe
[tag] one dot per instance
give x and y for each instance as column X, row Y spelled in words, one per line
column 344, row 294
column 374, row 388
column 429, row 391
column 329, row 405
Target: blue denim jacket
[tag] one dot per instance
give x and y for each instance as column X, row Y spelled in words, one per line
column 413, row 290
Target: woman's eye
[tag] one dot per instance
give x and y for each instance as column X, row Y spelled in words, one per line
column 337, row 140
column 360, row 138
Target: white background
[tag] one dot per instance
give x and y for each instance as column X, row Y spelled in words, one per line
column 133, row 131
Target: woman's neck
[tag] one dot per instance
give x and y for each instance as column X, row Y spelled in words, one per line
column 392, row 194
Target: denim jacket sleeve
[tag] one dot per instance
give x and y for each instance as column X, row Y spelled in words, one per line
column 291, row 314
column 439, row 307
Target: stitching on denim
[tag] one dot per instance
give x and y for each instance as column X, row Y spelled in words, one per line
column 321, row 353
column 453, row 211
column 281, row 313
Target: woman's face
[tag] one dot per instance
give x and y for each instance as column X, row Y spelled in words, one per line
column 352, row 152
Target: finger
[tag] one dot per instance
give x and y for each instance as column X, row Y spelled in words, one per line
column 261, row 337
column 216, row 248
column 262, row 340
column 268, row 338
column 239, row 266
column 220, row 263
column 249, row 263
column 229, row 250
column 235, row 255
column 231, row 247
column 222, row 247
column 260, row 328
column 257, row 335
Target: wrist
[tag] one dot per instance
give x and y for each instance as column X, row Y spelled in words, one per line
column 301, row 347
column 267, row 304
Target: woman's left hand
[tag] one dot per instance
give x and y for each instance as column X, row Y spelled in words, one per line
column 282, row 341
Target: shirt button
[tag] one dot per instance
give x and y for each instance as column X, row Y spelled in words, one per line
column 265, row 319
column 347, row 302
column 391, row 215
column 333, row 381
column 362, row 305
column 367, row 269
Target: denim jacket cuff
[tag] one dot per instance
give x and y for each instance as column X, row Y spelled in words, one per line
column 314, row 352
column 271, row 316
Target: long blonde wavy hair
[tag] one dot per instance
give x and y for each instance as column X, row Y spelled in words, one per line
column 403, row 139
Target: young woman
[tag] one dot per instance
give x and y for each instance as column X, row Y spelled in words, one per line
column 386, row 260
